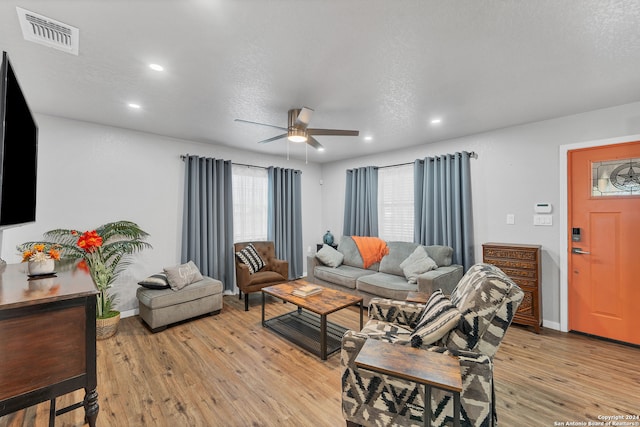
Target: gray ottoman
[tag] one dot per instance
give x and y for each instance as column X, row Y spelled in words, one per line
column 161, row 307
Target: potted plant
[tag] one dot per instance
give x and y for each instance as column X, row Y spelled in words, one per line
column 41, row 257
column 104, row 252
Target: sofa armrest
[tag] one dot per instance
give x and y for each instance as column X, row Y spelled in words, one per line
column 280, row 266
column 445, row 278
column 393, row 311
column 312, row 262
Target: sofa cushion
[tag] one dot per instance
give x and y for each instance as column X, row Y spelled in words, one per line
column 442, row 255
column 249, row 256
column 416, row 264
column 385, row 285
column 329, row 256
column 352, row 255
column 344, row 275
column 438, row 318
column 158, row 298
column 398, row 252
column 156, row 281
column 182, row 275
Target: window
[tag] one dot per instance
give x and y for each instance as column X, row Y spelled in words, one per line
column 250, row 192
column 395, row 203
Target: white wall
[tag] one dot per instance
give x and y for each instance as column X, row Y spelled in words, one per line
column 516, row 168
column 90, row 174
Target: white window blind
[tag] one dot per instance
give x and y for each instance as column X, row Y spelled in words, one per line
column 250, row 190
column 395, row 203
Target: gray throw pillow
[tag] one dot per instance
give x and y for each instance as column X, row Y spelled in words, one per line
column 182, row 275
column 329, row 256
column 416, row 264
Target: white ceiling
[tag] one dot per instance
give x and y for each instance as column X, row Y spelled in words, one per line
column 385, row 68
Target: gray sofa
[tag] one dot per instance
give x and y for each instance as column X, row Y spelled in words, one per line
column 385, row 279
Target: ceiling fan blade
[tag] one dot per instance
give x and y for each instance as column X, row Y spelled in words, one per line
column 334, row 132
column 261, row 124
column 272, row 139
column 304, row 117
column 314, row 143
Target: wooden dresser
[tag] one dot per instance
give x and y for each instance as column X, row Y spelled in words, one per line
column 47, row 340
column 522, row 264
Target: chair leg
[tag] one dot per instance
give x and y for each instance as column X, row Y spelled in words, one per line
column 239, row 294
column 352, row 424
column 246, row 302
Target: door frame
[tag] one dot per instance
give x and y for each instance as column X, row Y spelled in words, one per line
column 564, row 219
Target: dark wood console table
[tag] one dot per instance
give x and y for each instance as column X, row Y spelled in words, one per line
column 47, row 340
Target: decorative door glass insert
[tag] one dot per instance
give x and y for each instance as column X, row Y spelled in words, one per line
column 616, row 178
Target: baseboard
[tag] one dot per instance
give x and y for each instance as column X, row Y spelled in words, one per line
column 129, row 313
column 551, row 325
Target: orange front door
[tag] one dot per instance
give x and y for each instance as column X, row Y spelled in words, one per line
column 604, row 241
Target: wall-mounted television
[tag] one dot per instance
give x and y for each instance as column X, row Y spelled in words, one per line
column 18, row 152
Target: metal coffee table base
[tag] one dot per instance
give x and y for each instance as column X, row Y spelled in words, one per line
column 308, row 330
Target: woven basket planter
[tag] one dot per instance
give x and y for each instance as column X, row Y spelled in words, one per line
column 106, row 328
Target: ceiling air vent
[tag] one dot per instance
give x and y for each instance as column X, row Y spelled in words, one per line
column 49, row 32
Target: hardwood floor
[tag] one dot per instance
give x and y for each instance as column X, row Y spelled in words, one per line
column 227, row 370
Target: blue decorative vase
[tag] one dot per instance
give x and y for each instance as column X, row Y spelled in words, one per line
column 328, row 238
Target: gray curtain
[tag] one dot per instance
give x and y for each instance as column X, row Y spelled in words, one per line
column 285, row 217
column 442, row 204
column 207, row 225
column 361, row 202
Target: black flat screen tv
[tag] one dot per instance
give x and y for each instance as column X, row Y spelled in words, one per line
column 18, row 152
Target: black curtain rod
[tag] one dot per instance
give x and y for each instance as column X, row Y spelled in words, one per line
column 184, row 156
column 472, row 154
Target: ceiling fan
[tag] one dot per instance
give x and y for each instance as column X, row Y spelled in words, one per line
column 297, row 130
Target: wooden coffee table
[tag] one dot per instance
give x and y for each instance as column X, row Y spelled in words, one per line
column 307, row 326
column 413, row 364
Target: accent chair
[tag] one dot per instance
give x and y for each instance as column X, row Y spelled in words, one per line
column 273, row 272
column 486, row 300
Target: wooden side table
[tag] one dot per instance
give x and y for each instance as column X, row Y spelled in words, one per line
column 413, row 364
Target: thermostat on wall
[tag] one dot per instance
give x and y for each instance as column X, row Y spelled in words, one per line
column 542, row 208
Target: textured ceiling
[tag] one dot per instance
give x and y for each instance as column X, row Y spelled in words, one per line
column 382, row 67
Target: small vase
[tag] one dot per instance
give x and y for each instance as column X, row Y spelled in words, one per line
column 41, row 268
column 328, row 238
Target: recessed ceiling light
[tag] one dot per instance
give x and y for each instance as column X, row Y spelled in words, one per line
column 156, row 67
column 134, row 106
column 436, row 121
column 320, row 148
column 368, row 138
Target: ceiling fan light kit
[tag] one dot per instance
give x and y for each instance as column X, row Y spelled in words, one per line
column 297, row 135
column 298, row 131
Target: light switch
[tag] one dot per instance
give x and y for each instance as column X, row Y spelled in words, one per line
column 511, row 219
column 543, row 220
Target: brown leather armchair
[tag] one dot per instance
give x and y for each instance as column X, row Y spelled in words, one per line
column 275, row 270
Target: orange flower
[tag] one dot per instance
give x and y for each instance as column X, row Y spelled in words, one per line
column 54, row 254
column 26, row 255
column 89, row 241
column 39, row 247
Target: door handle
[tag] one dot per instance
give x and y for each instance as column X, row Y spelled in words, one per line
column 579, row 251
